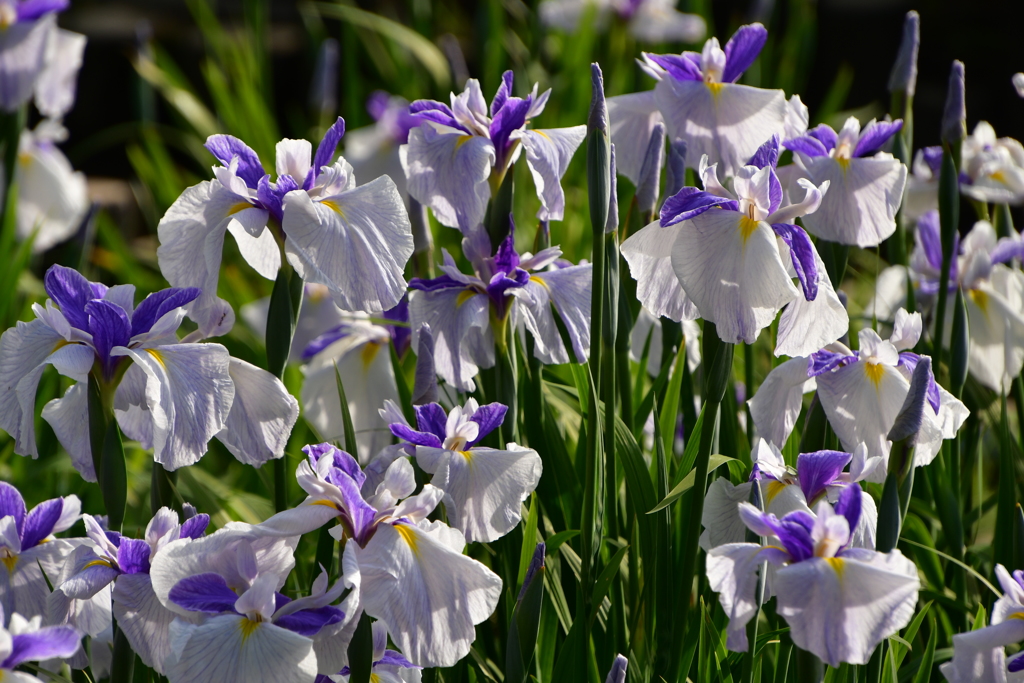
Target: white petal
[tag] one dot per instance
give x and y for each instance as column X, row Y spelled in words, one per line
column 191, row 237
column 485, row 489
column 979, row 655
column 294, row 158
column 225, row 649
column 448, row 172
column 649, row 255
column 428, row 594
column 808, row 326
column 144, row 621
column 463, row 340
column 22, row 586
column 52, row 196
column 262, row 415
column 356, row 243
column 728, row 123
column 840, row 609
column 631, row 119
column 776, row 405
column 188, row 393
column 569, row 290
column 131, row 409
column 863, row 196
column 658, row 21
column 720, row 517
column 732, row 272
column 22, row 57
column 890, row 293
column 732, row 573
column 55, row 88
column 262, row 252
column 548, row 153
column 69, row 418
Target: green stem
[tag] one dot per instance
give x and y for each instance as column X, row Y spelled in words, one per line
column 11, row 125
column 949, row 217
column 285, row 303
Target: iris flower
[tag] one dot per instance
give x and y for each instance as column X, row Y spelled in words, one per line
column 26, row 640
column 649, row 21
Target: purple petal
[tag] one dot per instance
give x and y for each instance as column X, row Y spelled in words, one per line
column 808, row 145
column 818, row 470
column 407, row 433
column 801, row 251
column 377, row 104
column 767, row 154
column 325, row 339
column 392, row 658
column 133, row 556
column 156, row 305
column 910, row 360
column 507, row 259
column 1007, row 250
column 436, row 284
column 11, row 503
column 931, row 240
column 742, row 49
column 271, row 197
column 40, row 522
column 438, row 112
column 207, row 593
column 195, row 527
column 30, row 10
column 489, row 417
column 401, row 335
column 432, row 419
column 824, row 134
column 690, row 202
column 350, row 466
column 821, row 362
column 933, row 157
column 71, row 291
column 504, row 92
column 1015, row 663
column 509, row 119
column 110, row 327
column 308, row 622
column 325, row 151
column 502, row 282
column 678, row 67
column 356, row 513
column 849, row 504
column 226, row 147
column 875, row 136
column 794, row 534
column 46, row 643
column 675, row 177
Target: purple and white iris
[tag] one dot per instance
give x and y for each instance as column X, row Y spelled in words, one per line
column 839, row 601
column 373, row 150
column 649, row 21
column 36, row 57
column 28, row 548
column 404, row 570
column 458, row 156
column 484, row 488
column 26, row 640
column 354, row 240
column 865, row 183
column 468, row 314
column 389, row 666
column 718, row 254
column 172, row 396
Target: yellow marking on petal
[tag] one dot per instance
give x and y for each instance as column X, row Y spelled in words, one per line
column 542, row 134
column 1017, row 615
column 844, row 163
column 240, row 206
column 715, row 88
column 774, row 489
column 747, row 227
column 468, row 455
column 534, row 278
column 325, row 503
column 61, row 343
column 874, row 371
column 10, row 561
column 464, row 296
column 463, row 139
column 407, row 533
column 158, row 357
column 99, row 563
column 838, row 564
column 333, row 206
column 374, row 678
column 998, row 176
column 368, row 353
column 248, row 627
column 24, row 158
column 980, row 299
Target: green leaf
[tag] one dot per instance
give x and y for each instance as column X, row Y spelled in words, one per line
column 281, row 316
column 690, row 452
column 360, row 651
column 968, row 568
column 114, row 477
column 924, row 671
column 346, row 417
column 714, row 462
column 522, row 635
column 555, row 540
column 529, row 538
column 671, row 408
column 604, row 580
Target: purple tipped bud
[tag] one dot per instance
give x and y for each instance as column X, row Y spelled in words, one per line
column 188, row 511
column 598, row 119
column 613, row 196
column 676, row 176
column 617, row 674
column 904, row 72
column 536, row 564
column 425, row 385
column 954, row 116
column 911, row 415
column 650, row 171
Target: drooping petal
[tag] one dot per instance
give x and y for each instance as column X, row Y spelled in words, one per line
column 631, row 120
column 548, row 153
column 459, row 319
column 144, row 621
column 732, row 573
column 426, row 591
column 649, row 255
column 807, row 326
column 189, row 393
column 448, row 172
column 568, row 290
column 261, row 417
column 980, row 655
column 720, row 517
column 776, row 405
column 730, row 266
column 356, row 243
column 52, row 196
column 23, row 588
column 69, row 418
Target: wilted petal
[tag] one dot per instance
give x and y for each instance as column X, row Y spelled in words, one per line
column 548, row 153
column 261, row 417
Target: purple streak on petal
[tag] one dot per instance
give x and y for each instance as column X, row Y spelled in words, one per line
column 112, row 536
column 11, row 503
column 823, row 361
column 208, row 593
column 71, row 291
column 436, row 284
column 40, row 522
column 325, row 151
column 1007, row 251
column 270, row 198
column 509, row 119
column 818, row 470
column 226, row 147
column 824, row 134
column 46, row 643
column 690, row 202
column 675, row 177
column 309, row 622
column 195, row 527
column 807, row 145
column 438, row 112
column 30, row 10
column 801, row 251
column 356, row 513
column 875, row 136
column 489, row 417
column 507, row 259
column 504, row 92
column 933, row 157
column 344, row 462
column 325, row 339
column 849, row 504
column 432, row 419
column 742, row 49
column 678, row 67
column 910, row 360
column 794, row 534
column 317, row 451
column 156, row 305
column 392, row 658
column 931, row 241
column 407, row 433
column 767, row 154
column 401, row 335
column 133, row 556
column 1015, row 663
column 110, row 327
